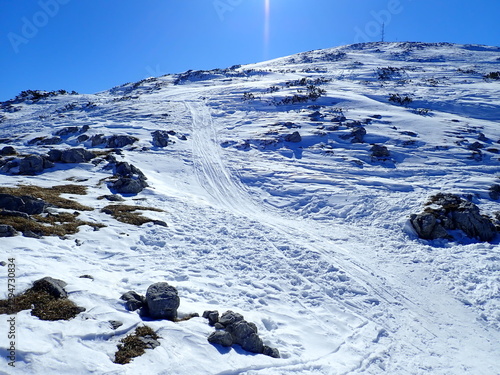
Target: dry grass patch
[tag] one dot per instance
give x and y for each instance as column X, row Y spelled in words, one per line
column 127, row 214
column 43, row 305
column 51, row 195
column 61, row 224
column 134, row 345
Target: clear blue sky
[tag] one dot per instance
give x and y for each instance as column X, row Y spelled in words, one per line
column 93, row 45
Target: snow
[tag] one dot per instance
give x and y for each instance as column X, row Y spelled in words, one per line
column 310, row 240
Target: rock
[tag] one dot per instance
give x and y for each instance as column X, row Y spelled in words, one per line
column 119, row 141
column 494, row 192
column 212, row 316
column 379, row 151
column 271, row 352
column 76, row 155
column 161, row 223
column 64, row 132
column 7, row 231
column 114, row 198
column 50, row 141
column 97, row 140
column 31, row 165
column 451, row 212
column 162, row 300
column 358, row 135
column 31, row 234
column 475, row 146
column 295, row 137
column 9, row 213
column 133, row 300
column 149, row 341
column 125, row 169
column 427, row 227
column 83, row 138
column 160, row 138
column 340, row 118
column 230, row 317
column 221, row 338
column 8, row 150
column 126, row 185
column 54, row 155
column 54, row 287
column 26, row 204
column 245, row 334
column 115, row 324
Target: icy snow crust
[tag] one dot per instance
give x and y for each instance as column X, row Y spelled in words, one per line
column 309, row 240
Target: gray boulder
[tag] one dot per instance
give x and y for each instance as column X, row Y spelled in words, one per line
column 163, row 301
column 54, row 287
column 115, row 324
column 14, row 214
column 494, row 192
column 50, row 141
column 451, row 212
column 379, row 151
column 68, row 130
column 223, row 338
column 271, row 352
column 26, row 204
column 160, row 138
column 119, row 141
column 127, row 185
column 295, row 137
column 133, row 300
column 8, row 150
column 230, row 317
column 31, row 165
column 212, row 316
column 245, row 335
column 76, row 155
column 7, row 231
column 358, row 135
column 97, row 140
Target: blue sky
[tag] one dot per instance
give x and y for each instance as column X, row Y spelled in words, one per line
column 93, row 45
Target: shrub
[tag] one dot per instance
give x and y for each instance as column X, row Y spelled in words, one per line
column 390, row 72
column 403, row 100
column 134, row 345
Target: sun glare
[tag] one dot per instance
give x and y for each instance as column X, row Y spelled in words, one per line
column 267, row 19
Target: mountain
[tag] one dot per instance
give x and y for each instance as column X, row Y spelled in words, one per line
column 281, row 191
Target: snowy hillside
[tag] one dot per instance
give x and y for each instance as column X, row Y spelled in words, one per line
column 286, row 188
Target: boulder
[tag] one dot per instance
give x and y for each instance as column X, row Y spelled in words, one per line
column 230, row 317
column 50, row 141
column 68, row 130
column 295, row 137
column 54, row 155
column 358, row 134
column 160, row 138
column 119, row 141
column 163, row 301
column 54, row 287
column 221, row 338
column 212, row 316
column 115, row 324
column 245, row 335
column 97, row 140
column 271, row 352
column 26, row 204
column 8, row 150
column 494, row 192
column 127, row 185
column 7, row 231
column 379, row 151
column 451, row 212
column 76, row 155
column 14, row 214
column 133, row 300
column 31, row 165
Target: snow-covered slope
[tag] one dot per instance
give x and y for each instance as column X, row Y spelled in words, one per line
column 309, row 240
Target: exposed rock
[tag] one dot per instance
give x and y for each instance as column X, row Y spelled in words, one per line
column 54, row 287
column 14, row 214
column 451, row 212
column 7, row 231
column 133, row 300
column 115, row 324
column 358, row 135
column 160, row 138
column 119, row 141
column 245, row 334
column 83, row 138
column 26, row 204
column 271, row 352
column 295, row 137
column 54, row 155
column 64, row 132
column 230, row 317
column 76, row 155
column 223, row 338
column 97, row 140
column 149, row 341
column 494, row 192
column 126, row 185
column 125, row 169
column 212, row 316
column 379, row 151
column 114, row 198
column 31, row 165
column 475, row 146
column 163, row 301
column 50, row 141
column 31, row 234
column 8, row 150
